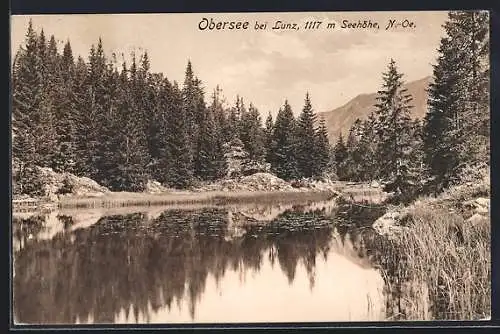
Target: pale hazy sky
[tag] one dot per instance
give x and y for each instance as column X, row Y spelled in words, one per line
column 264, row 66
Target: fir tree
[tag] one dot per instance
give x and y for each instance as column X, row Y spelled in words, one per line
column 180, row 174
column 234, row 119
column 132, row 153
column 369, row 164
column 27, row 93
column 268, row 132
column 393, row 130
column 251, row 134
column 340, row 157
column 209, row 162
column 190, row 101
column 220, row 115
column 46, row 133
column 165, row 158
column 322, row 149
column 60, row 86
column 79, row 99
column 308, row 154
column 457, row 122
column 91, row 111
column 284, row 162
column 353, row 160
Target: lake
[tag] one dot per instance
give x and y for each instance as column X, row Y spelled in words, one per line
column 304, row 262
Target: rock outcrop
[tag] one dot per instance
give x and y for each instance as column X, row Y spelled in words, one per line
column 155, row 187
column 66, row 183
column 389, row 224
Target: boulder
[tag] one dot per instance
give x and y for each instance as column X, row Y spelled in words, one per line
column 483, row 202
column 481, row 209
column 388, row 224
column 154, row 187
column 481, row 205
column 476, row 218
column 58, row 183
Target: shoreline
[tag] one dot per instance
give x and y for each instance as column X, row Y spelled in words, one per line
column 439, row 248
column 126, row 199
column 357, row 191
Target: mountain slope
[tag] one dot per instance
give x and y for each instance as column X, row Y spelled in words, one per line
column 341, row 119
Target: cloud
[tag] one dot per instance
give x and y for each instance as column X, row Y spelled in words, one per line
column 254, row 70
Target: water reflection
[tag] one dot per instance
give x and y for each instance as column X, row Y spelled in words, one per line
column 237, row 264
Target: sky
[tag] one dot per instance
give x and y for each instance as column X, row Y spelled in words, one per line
column 263, row 66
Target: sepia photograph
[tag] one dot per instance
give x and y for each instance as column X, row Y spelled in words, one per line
column 236, row 168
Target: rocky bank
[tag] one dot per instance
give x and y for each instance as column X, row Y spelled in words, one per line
column 471, row 201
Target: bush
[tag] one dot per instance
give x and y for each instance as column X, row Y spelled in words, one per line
column 29, row 181
column 66, row 188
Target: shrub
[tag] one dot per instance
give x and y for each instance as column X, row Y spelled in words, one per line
column 29, row 180
column 67, row 187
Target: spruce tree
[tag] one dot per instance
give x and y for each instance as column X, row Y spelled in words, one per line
column 354, row 159
column 80, row 99
column 60, row 77
column 370, row 165
column 393, row 130
column 153, row 119
column 27, row 90
column 90, row 113
column 308, row 153
column 67, row 145
column 269, row 143
column 165, row 158
column 46, row 139
column 178, row 139
column 252, row 135
column 456, row 127
column 132, row 152
column 284, row 161
column 340, row 157
column 192, row 102
column 220, row 115
column 234, row 119
column 209, row 162
column 322, row 149
column 27, row 95
column 112, row 172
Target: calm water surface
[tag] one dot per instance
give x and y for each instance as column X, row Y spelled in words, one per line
column 276, row 263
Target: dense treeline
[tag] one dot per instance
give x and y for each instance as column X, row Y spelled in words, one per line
column 121, row 124
column 451, row 143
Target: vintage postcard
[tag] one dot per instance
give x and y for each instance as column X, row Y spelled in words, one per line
column 250, row 167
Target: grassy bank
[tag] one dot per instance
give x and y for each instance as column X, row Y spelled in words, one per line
column 209, row 198
column 439, row 265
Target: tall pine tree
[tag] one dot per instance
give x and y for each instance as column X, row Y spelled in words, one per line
column 322, row 149
column 308, row 155
column 456, row 126
column 284, row 161
column 178, row 141
column 394, row 132
column 27, row 96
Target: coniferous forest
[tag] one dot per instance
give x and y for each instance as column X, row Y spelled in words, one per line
column 451, row 144
column 121, row 125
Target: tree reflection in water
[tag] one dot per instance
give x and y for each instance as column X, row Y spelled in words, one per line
column 127, row 263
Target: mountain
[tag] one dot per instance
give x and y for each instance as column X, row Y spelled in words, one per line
column 341, row 119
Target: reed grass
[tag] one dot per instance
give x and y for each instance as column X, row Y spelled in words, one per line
column 445, row 265
column 209, row 198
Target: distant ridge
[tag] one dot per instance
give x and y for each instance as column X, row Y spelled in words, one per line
column 340, row 119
